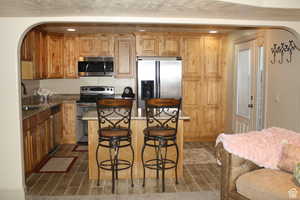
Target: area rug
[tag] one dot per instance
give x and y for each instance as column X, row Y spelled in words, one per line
column 57, row 164
column 198, row 156
column 80, row 148
column 202, row 195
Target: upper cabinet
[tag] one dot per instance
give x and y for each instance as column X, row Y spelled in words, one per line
column 124, row 56
column 70, row 57
column 169, row 45
column 55, row 56
column 147, row 44
column 157, row 44
column 27, row 47
column 96, row 45
column 33, row 55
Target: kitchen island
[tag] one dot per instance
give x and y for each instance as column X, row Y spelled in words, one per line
column 138, row 123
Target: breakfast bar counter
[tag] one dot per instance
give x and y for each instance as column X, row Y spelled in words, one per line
column 138, row 123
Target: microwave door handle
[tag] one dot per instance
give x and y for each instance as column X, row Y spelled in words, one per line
column 86, row 67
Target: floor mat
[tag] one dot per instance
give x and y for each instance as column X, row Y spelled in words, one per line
column 198, row 156
column 81, row 148
column 57, row 164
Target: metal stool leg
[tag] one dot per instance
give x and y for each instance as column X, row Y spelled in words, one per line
column 157, row 159
column 98, row 169
column 144, row 170
column 131, row 168
column 177, row 158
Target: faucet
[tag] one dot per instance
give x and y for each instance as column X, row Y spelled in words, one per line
column 24, row 88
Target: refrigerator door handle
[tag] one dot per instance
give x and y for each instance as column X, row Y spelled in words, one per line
column 157, row 77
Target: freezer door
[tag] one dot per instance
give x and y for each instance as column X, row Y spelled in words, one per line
column 146, row 70
column 170, row 79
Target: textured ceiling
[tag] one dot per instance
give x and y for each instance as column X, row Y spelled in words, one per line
column 144, row 8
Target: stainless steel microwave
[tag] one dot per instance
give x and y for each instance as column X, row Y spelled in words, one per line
column 96, row 66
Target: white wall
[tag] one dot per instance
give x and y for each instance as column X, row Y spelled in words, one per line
column 11, row 168
column 283, row 94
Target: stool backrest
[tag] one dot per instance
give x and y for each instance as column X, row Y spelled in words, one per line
column 114, row 113
column 163, row 113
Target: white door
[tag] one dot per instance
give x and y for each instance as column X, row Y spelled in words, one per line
column 249, row 84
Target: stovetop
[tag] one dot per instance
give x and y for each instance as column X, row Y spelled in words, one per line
column 89, row 94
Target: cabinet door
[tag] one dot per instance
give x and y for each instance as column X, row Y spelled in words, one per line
column 55, row 56
column 169, row 46
column 105, row 45
column 87, row 46
column 57, row 128
column 27, row 47
column 192, row 50
column 70, row 57
column 69, row 123
column 147, row 45
column 124, row 57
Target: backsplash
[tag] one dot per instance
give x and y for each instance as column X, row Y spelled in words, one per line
column 71, row 86
column 30, row 85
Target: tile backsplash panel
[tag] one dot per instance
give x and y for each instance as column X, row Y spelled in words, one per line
column 31, row 86
column 72, row 86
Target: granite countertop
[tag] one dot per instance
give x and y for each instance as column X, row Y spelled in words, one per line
column 42, row 106
column 137, row 114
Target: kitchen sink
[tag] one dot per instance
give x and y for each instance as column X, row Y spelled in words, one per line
column 30, row 107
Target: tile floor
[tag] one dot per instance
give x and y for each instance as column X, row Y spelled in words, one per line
column 203, row 177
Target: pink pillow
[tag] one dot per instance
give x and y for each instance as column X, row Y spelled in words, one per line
column 290, row 156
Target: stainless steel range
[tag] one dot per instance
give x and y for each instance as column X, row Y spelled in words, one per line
column 87, row 102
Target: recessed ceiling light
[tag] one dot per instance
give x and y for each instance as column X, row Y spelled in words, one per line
column 212, row 31
column 71, row 29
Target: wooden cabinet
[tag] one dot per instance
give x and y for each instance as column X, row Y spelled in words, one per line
column 147, row 44
column 27, row 47
column 70, row 57
column 203, row 87
column 32, row 51
column 69, row 123
column 38, row 139
column 169, row 45
column 55, row 56
column 124, row 56
column 96, row 45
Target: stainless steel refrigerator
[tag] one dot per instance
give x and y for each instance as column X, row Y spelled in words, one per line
column 158, row 77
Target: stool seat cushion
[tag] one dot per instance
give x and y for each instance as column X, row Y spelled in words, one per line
column 113, row 133
column 153, row 131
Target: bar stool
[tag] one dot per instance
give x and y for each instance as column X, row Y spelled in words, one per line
column 114, row 116
column 160, row 134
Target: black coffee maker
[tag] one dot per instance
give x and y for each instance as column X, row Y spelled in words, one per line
column 128, row 92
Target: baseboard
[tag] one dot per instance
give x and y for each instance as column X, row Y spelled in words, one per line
column 12, row 194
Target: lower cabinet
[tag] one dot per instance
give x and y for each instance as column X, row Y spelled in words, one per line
column 69, row 123
column 39, row 138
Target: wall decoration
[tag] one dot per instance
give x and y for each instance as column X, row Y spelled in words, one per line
column 282, row 49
